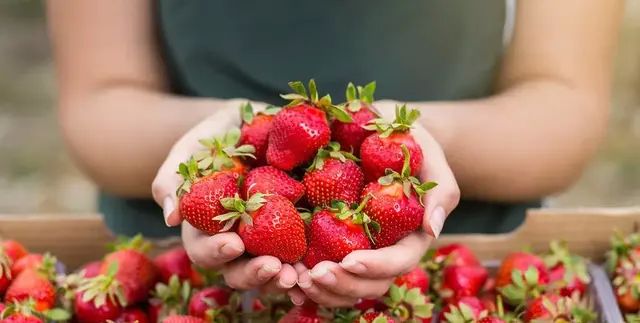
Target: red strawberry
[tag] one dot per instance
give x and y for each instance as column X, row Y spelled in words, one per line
column 351, row 135
column 255, row 131
column 374, row 317
column 416, row 278
column 567, row 272
column 32, row 260
column 396, row 204
column 383, row 150
column 13, row 249
column 100, row 298
column 208, row 302
column 461, row 281
column 334, row 175
column 465, row 309
column 626, row 284
column 366, row 304
column 520, row 276
column 408, row 305
column 2, row 307
column 270, row 225
column 175, row 261
column 270, row 180
column 553, row 308
column 22, row 318
column 91, row 269
column 224, row 154
column 301, row 128
column 25, row 312
column 132, row 315
column 200, row 197
column 336, row 232
column 168, row 299
column 36, row 284
column 455, row 254
column 136, row 272
column 5, row 272
column 306, row 313
column 491, row 319
column 183, row 319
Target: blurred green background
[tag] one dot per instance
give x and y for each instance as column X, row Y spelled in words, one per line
column 36, row 175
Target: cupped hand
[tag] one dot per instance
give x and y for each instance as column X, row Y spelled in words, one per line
column 369, row 273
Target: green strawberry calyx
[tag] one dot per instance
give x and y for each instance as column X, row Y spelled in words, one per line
column 240, row 209
column 574, row 265
column 137, row 243
column 27, row 308
column 332, row 150
column 190, row 174
column 300, row 95
column 463, row 313
column 621, row 247
column 220, row 151
column 572, row 308
column 357, row 216
column 381, row 318
column 356, row 96
column 5, row 265
column 408, row 182
column 103, row 287
column 407, row 303
column 524, row 286
column 174, row 296
column 48, row 266
column 624, row 277
column 402, row 123
column 247, row 114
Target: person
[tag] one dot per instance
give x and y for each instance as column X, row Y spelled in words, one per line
column 140, row 81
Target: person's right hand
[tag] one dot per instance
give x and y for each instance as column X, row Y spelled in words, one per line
column 220, row 250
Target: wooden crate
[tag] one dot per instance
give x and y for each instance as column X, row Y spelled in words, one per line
column 76, row 239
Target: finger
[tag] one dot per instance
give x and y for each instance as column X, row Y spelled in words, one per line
column 251, row 273
column 210, row 251
column 283, row 281
column 331, row 277
column 388, row 262
column 320, row 295
column 442, row 199
column 296, row 296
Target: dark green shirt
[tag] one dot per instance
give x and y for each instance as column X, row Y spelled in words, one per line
column 416, row 51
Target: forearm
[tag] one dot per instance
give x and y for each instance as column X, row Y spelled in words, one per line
column 121, row 135
column 531, row 140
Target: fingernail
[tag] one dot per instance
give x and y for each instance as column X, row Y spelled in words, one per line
column 230, row 250
column 305, row 281
column 297, row 300
column 286, row 284
column 267, row 271
column 167, row 208
column 324, row 276
column 436, row 221
column 353, row 266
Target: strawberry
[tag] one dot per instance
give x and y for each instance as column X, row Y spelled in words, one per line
column 91, row 269
column 416, row 278
column 200, row 197
column 213, row 302
column 301, row 128
column 168, row 299
column 567, row 272
column 13, row 249
column 32, row 260
column 224, row 154
column 465, row 309
column 334, row 175
column 36, row 284
column 396, row 204
column 25, row 312
column 5, row 271
column 461, row 281
column 491, row 319
column 455, row 254
column 270, row 180
column 132, row 315
column 350, row 135
column 306, row 313
column 626, row 284
column 100, row 298
column 183, row 319
column 255, row 131
column 383, row 150
column 175, row 261
column 520, row 276
column 2, row 307
column 136, row 272
column 374, row 317
column 554, row 308
column 408, row 304
column 365, row 304
column 270, row 225
column 336, row 232
column 622, row 247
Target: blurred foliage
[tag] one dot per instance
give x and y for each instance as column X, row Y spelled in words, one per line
column 36, row 175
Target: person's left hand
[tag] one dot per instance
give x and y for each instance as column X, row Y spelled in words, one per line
column 369, row 273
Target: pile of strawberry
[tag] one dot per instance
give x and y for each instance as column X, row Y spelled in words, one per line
column 356, row 172
column 623, row 266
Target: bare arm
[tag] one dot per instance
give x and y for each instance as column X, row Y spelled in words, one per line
column 116, row 115
column 550, row 112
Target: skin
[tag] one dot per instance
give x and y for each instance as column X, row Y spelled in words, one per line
column 548, row 114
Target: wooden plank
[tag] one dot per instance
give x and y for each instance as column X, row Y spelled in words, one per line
column 77, row 239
